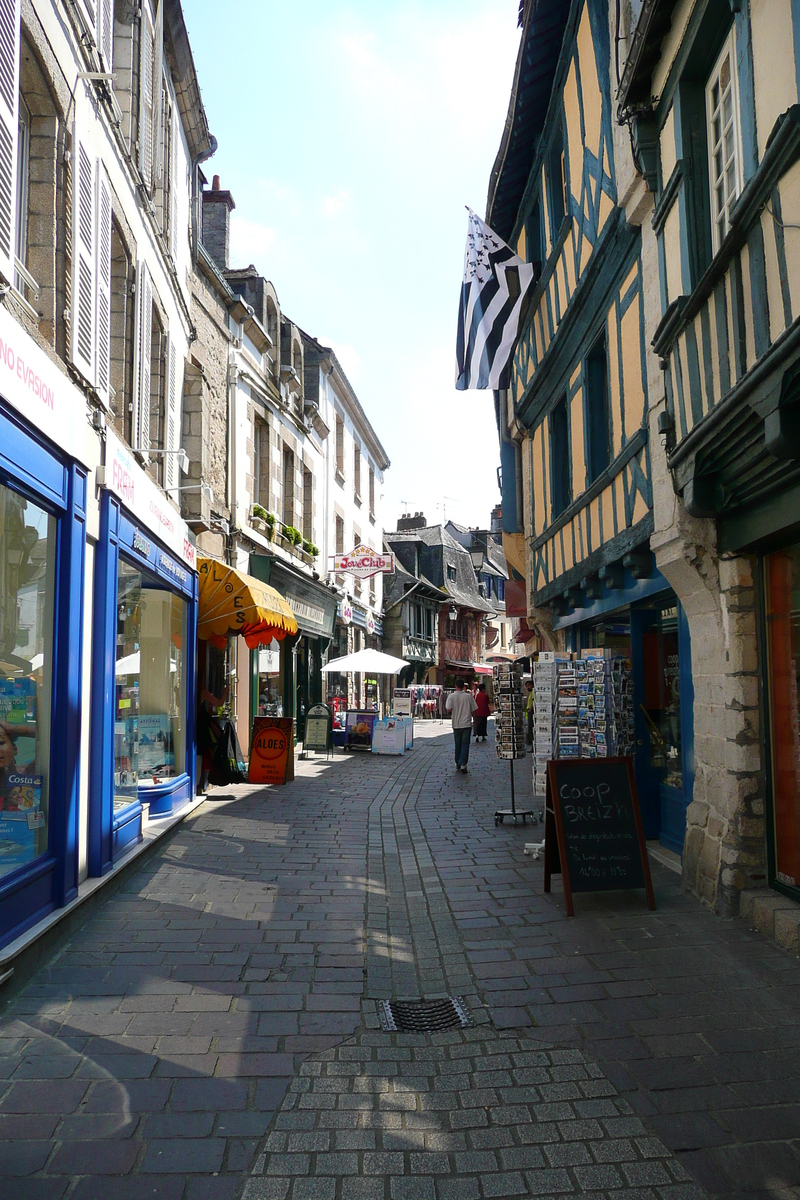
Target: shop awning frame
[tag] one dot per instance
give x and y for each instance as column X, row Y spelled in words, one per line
column 233, row 603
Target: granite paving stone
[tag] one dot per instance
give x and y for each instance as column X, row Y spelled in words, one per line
column 213, row 1030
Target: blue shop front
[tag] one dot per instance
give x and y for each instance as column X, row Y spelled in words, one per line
column 47, row 449
column 143, row 670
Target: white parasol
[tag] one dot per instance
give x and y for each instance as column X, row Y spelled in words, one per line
column 368, row 662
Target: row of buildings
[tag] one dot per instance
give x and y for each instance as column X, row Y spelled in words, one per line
column 164, row 424
column 650, row 169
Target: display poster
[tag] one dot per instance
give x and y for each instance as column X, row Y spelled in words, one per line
column 401, row 702
column 359, row 725
column 156, row 757
column 593, row 828
column 409, row 724
column 272, row 750
column 389, row 736
column 318, row 729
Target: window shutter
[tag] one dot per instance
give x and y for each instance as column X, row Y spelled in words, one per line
column 144, row 321
column 174, row 183
column 173, row 415
column 105, row 32
column 103, row 382
column 82, row 306
column 9, row 120
column 147, row 98
column 87, row 10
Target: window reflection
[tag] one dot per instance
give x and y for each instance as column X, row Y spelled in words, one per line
column 150, row 706
column 27, row 588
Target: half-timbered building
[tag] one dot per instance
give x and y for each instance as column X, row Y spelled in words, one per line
column 575, row 444
column 709, row 89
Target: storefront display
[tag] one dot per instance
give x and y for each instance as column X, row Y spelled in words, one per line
column 270, row 680
column 144, row 632
column 358, row 729
column 27, row 572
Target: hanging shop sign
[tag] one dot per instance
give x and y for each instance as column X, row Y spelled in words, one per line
column 593, row 828
column 345, row 612
column 32, row 383
column 272, row 750
column 123, row 476
column 370, row 624
column 363, row 562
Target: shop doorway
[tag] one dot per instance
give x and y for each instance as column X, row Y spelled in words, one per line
column 663, row 701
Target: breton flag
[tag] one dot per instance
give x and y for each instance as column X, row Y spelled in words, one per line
column 490, row 312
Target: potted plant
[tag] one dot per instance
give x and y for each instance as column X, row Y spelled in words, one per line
column 270, row 520
column 258, row 518
column 291, row 535
column 311, row 550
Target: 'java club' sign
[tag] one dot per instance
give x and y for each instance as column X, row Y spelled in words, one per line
column 363, row 562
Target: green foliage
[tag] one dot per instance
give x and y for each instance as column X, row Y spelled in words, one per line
column 292, row 535
column 310, row 548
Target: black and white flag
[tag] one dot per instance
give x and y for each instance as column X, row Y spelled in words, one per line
column 490, row 313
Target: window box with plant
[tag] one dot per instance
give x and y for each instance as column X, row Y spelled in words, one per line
column 292, row 536
column 310, row 549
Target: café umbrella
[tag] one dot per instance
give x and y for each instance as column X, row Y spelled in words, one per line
column 367, row 662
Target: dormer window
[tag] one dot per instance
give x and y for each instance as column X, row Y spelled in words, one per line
column 451, row 573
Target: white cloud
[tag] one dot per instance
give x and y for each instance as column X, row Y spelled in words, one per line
column 335, row 203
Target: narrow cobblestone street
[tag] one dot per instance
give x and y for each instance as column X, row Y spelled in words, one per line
column 212, row 1031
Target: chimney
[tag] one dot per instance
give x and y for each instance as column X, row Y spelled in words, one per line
column 217, row 206
column 497, row 519
column 408, row 522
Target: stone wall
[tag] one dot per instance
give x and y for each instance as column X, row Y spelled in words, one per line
column 205, row 404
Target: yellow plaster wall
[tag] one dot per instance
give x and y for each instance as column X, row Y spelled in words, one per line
column 574, row 145
column 747, row 305
column 773, row 63
column 619, row 496
column 538, row 483
column 607, row 512
column 672, row 254
column 777, row 323
column 590, row 87
column 522, row 244
column 668, row 155
column 790, row 210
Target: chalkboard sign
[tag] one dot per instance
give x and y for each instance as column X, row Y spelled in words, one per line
column 319, row 722
column 593, row 828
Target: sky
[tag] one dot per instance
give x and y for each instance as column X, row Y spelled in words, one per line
column 351, row 136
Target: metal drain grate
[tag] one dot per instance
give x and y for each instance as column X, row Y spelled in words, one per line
column 424, row 1016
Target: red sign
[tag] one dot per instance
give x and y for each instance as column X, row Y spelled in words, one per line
column 272, row 750
column 516, row 598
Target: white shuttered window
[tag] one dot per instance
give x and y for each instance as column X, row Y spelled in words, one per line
column 144, row 329
column 103, row 381
column 105, row 32
column 174, row 390
column 82, row 306
column 147, row 98
column 9, row 102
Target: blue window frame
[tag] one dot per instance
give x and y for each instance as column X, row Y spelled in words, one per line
column 129, row 562
column 58, row 487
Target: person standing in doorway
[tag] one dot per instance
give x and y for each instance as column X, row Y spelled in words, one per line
column 482, row 711
column 461, row 705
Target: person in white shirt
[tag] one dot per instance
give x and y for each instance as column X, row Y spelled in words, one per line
column 461, row 705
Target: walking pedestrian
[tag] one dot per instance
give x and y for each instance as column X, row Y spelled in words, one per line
column 461, row 706
column 482, row 710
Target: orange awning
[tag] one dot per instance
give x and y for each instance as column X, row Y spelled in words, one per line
column 233, row 603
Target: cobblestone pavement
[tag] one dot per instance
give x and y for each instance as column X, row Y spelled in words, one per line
column 213, row 1029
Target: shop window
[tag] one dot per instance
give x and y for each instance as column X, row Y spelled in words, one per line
column 560, row 483
column 308, row 505
column 596, row 410
column 724, row 140
column 783, row 648
column 662, row 696
column 27, row 588
column 288, row 486
column 270, row 680
column 150, row 692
